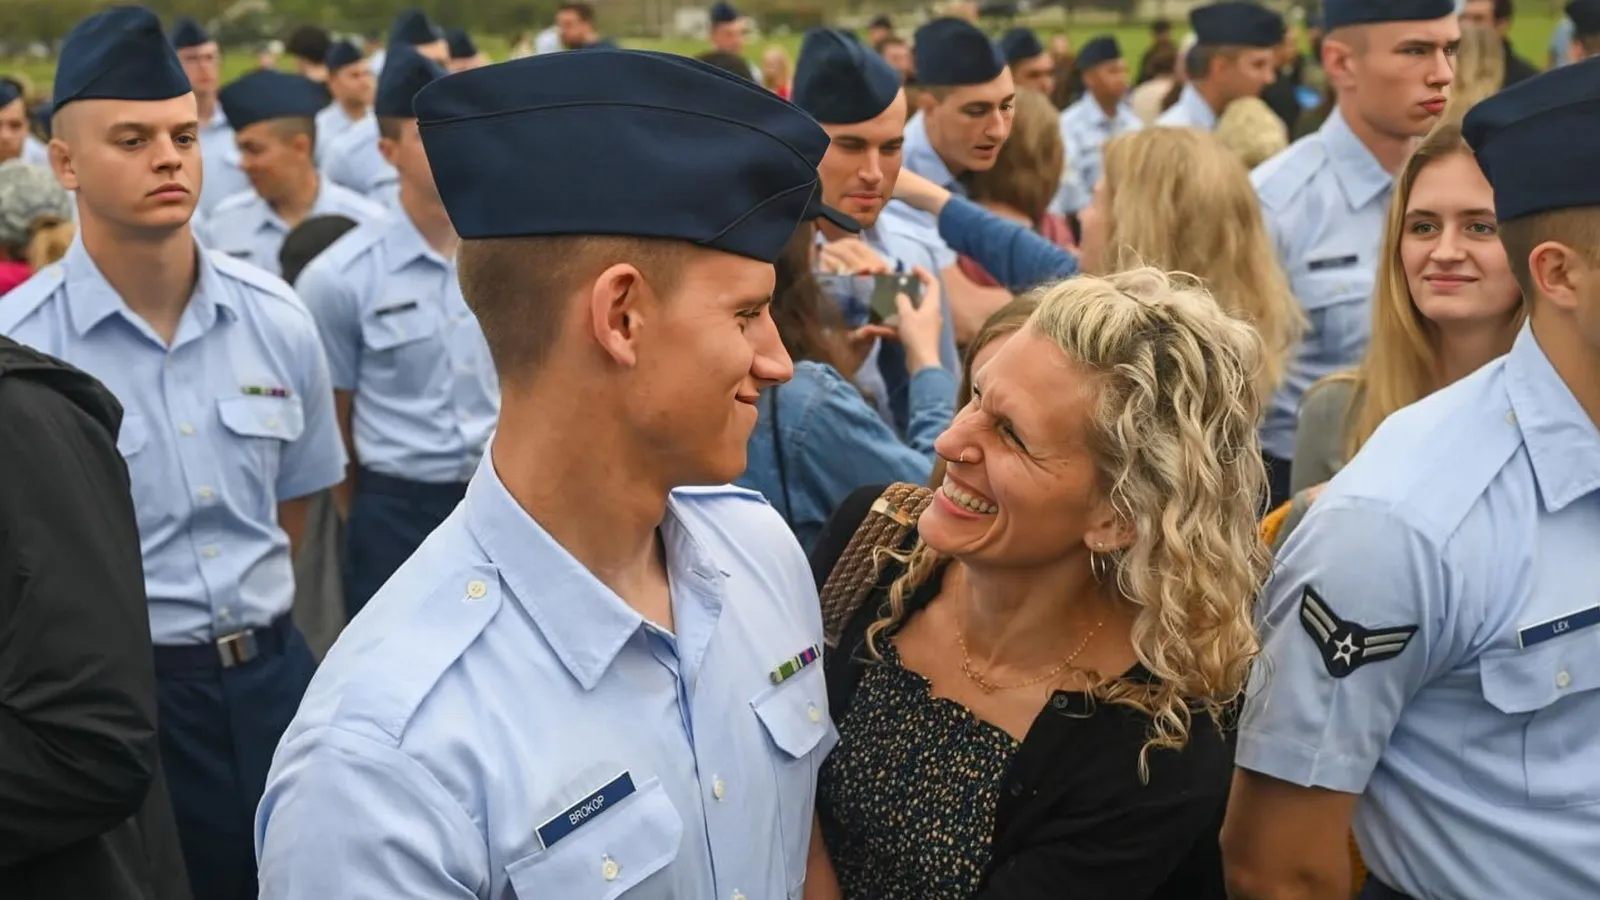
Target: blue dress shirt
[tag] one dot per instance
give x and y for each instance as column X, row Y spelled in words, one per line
column 233, row 418
column 332, row 123
column 219, row 163
column 353, row 160
column 246, row 227
column 1464, row 535
column 494, row 684
column 1324, row 200
column 1191, row 111
column 1085, row 129
column 399, row 335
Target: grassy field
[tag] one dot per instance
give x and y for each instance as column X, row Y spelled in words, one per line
column 1530, row 36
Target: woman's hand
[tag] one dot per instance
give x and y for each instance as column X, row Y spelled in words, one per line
column 850, row 256
column 920, row 326
column 920, row 193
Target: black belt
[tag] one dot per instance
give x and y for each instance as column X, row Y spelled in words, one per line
column 229, row 651
column 368, row 481
column 1377, row 890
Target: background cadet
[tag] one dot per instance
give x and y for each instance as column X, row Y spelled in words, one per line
column 354, row 160
column 229, row 423
column 1099, row 115
column 1032, row 67
column 351, row 83
column 202, row 63
column 1236, row 51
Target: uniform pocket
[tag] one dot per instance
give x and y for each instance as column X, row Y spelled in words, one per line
column 262, row 427
column 794, row 714
column 609, row 856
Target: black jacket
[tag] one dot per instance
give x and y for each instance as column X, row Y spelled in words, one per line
column 1517, row 68
column 84, row 811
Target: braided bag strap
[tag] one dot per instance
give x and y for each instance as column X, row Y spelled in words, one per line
column 887, row 525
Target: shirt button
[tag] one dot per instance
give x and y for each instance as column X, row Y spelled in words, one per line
column 224, row 614
column 272, row 421
column 1563, row 679
column 204, row 494
column 209, row 552
column 738, row 895
column 186, row 429
column 609, row 870
column 477, row 590
column 814, row 713
column 717, row 788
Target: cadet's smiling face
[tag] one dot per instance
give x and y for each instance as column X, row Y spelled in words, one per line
column 13, row 129
column 273, row 157
column 968, row 127
column 133, row 164
column 862, row 164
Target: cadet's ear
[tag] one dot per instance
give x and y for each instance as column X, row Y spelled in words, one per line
column 1561, row 275
column 61, row 162
column 388, row 149
column 614, row 310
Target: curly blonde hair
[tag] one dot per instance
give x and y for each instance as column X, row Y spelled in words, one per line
column 1173, row 434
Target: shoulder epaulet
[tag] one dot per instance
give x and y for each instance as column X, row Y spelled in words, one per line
column 22, row 300
column 364, row 210
column 1280, row 178
column 352, row 244
column 265, row 283
column 402, row 671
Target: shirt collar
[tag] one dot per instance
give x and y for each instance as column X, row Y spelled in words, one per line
column 219, row 120
column 1562, row 442
column 404, row 244
column 92, row 300
column 921, row 158
column 1360, row 176
column 1097, row 114
column 585, row 623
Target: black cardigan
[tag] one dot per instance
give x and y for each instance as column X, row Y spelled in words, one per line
column 1073, row 821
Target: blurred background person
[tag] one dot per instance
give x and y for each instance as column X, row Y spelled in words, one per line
column 575, row 23
column 201, row 58
column 1024, row 180
column 897, row 53
column 308, row 46
column 728, row 33
column 351, row 83
column 1068, row 85
column 1147, row 98
column 1236, row 48
column 1284, row 94
column 35, row 221
column 1032, row 68
column 14, row 134
column 1160, row 40
column 1099, row 115
column 880, row 29
column 1495, row 17
column 1480, row 71
column 464, row 52
column 1583, row 39
column 1252, row 130
column 777, row 70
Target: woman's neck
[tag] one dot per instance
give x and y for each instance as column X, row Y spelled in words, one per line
column 1018, row 619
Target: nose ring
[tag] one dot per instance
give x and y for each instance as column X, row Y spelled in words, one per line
column 963, row 457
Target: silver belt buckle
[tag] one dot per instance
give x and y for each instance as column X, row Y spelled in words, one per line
column 238, row 648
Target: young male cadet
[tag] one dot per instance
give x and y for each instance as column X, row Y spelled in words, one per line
column 1237, row 45
column 590, row 680
column 273, row 115
column 1585, row 18
column 1101, row 114
column 13, row 120
column 1032, row 66
column 857, row 97
column 354, row 160
column 352, row 85
column 1325, row 198
column 413, row 382
column 965, row 103
column 228, row 422
column 727, row 33
column 202, row 63
column 1433, row 631
column 464, row 53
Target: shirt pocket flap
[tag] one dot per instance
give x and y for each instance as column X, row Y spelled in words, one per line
column 1523, row 681
column 133, row 435
column 1333, row 286
column 607, row 856
column 263, row 417
column 398, row 324
column 795, row 712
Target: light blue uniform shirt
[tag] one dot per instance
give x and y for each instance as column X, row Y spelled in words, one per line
column 353, row 160
column 1324, row 200
column 493, row 684
column 1561, row 41
column 219, row 164
column 36, row 152
column 246, row 227
column 1472, row 517
column 399, row 335
column 1191, row 111
column 211, row 453
column 1085, row 129
column 332, row 123
column 917, row 154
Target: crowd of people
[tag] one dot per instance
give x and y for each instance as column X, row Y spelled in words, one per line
column 940, row 465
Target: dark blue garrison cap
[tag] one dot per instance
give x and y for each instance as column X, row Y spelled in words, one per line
column 950, row 52
column 341, row 54
column 1537, row 141
column 415, row 28
column 461, row 45
column 405, row 71
column 188, row 33
column 838, row 81
column 269, row 94
column 118, row 54
column 1339, row 13
column 1102, row 49
column 623, row 142
column 1585, row 16
column 722, row 13
column 1019, row 44
column 10, row 91
column 1236, row 23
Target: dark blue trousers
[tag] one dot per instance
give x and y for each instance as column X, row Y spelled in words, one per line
column 219, row 728
column 389, row 519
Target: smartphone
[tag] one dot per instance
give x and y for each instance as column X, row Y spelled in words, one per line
column 886, row 287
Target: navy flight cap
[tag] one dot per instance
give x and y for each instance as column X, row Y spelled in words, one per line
column 118, row 54
column 405, row 71
column 838, row 81
column 461, row 45
column 341, row 54
column 188, row 33
column 1537, row 141
column 1019, row 44
column 1585, row 16
column 269, row 94
column 10, row 91
column 415, row 28
column 1339, row 13
column 723, row 13
column 1236, row 23
column 953, row 52
column 1102, row 49
column 623, row 142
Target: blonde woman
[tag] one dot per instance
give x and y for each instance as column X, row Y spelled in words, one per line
column 1480, row 71
column 1031, row 702
column 1025, row 178
column 996, row 331
column 1176, row 199
column 1252, row 131
column 1446, row 303
column 36, row 226
column 777, row 70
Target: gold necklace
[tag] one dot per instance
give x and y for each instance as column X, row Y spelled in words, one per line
column 989, row 687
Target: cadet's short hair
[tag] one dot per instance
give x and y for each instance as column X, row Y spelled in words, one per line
column 289, row 128
column 1577, row 227
column 584, row 10
column 519, row 287
column 1198, row 62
